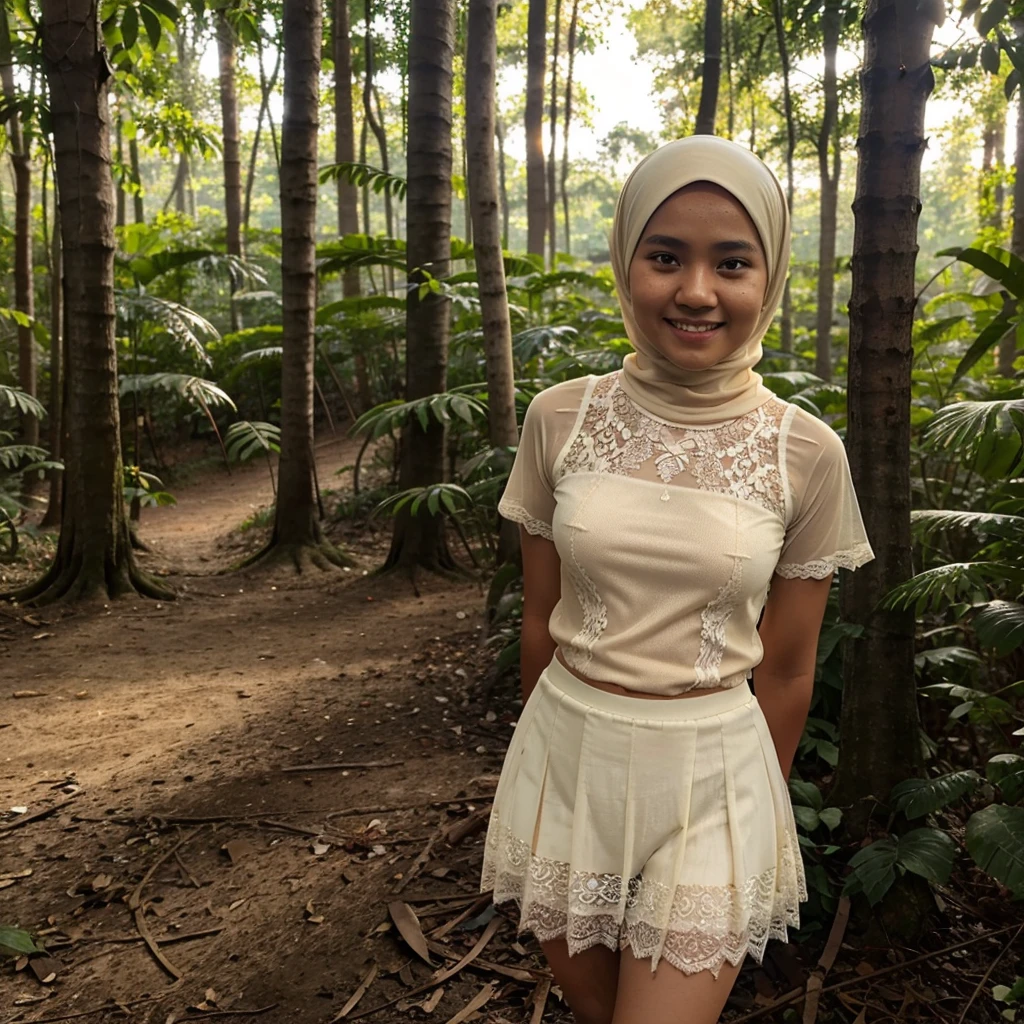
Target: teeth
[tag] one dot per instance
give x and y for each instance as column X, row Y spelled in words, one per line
column 693, row 328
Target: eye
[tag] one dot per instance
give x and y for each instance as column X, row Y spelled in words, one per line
column 663, row 259
column 734, row 263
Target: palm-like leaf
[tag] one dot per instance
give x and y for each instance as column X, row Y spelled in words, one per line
column 248, row 438
column 389, row 416
column 258, row 354
column 959, row 429
column 995, row 839
column 943, row 657
column 1000, row 625
column 945, row 583
column 195, row 390
column 183, row 325
column 927, row 521
column 358, row 304
column 20, row 400
column 917, row 797
column 16, row 456
column 361, row 175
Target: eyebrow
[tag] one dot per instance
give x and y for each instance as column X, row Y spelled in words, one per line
column 732, row 245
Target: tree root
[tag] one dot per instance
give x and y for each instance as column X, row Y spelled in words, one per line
column 322, row 555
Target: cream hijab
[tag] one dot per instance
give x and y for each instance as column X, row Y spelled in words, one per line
column 730, row 388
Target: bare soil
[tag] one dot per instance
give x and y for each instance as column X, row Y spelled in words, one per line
column 252, row 799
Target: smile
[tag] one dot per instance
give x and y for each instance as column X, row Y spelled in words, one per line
column 693, row 328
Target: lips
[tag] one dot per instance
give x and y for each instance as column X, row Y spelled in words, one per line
column 694, row 327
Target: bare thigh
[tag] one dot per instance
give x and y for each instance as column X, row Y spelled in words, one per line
column 668, row 996
column 588, row 980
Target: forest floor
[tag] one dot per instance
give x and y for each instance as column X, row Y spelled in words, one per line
column 266, row 799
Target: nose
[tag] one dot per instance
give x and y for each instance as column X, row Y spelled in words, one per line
column 696, row 287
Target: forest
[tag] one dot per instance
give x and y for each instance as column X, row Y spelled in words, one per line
column 278, row 281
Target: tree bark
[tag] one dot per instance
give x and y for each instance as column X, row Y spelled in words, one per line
column 879, row 724
column 137, row 197
column 481, row 61
column 231, row 153
column 536, row 188
column 119, row 219
column 94, row 557
column 52, row 516
column 786, row 339
column 552, row 164
column 24, row 285
column 730, row 131
column 419, row 541
column 1007, row 352
column 829, row 177
column 571, row 50
column 712, row 69
column 373, row 119
column 499, row 132
column 266, row 90
column 297, row 535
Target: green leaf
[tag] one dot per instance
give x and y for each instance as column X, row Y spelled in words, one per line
column 508, row 657
column 927, row 852
column 996, row 12
column 1000, row 326
column 995, row 839
column 990, row 58
column 1007, row 772
column 164, row 7
column 831, row 817
column 874, row 870
column 805, row 794
column 806, row 817
column 1000, row 625
column 828, row 752
column 918, row 797
column 1011, row 83
column 16, row 941
column 129, row 26
column 20, row 400
column 152, row 23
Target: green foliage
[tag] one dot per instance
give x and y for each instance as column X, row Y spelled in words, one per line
column 192, row 389
column 246, row 439
column 363, row 175
column 995, row 839
column 917, row 797
column 924, row 851
column 16, row 942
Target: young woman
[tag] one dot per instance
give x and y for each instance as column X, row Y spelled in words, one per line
column 642, row 821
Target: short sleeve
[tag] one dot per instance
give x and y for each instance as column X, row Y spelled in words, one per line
column 825, row 531
column 529, row 497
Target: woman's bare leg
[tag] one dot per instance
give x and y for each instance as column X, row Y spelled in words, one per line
column 668, row 996
column 588, row 980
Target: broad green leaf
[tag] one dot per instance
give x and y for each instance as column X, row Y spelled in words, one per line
column 1007, row 772
column 927, row 852
column 874, row 870
column 993, row 15
column 831, row 817
column 806, row 817
column 152, row 24
column 508, row 657
column 129, row 26
column 1000, row 625
column 16, row 941
column 805, row 794
column 1000, row 326
column 164, row 7
column 995, row 839
column 918, row 797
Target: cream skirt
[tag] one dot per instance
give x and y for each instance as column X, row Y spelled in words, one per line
column 663, row 826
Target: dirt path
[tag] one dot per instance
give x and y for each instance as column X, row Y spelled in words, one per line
column 156, row 724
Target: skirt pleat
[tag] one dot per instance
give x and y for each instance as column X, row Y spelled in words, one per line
column 664, row 827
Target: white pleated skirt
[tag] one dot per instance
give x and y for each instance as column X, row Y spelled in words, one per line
column 661, row 826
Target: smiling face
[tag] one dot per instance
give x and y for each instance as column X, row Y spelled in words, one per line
column 698, row 277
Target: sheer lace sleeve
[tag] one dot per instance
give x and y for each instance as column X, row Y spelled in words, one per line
column 529, row 497
column 825, row 531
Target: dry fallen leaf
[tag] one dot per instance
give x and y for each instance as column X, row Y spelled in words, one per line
column 45, row 969
column 408, row 926
column 100, row 882
column 429, row 1005
column 312, row 917
column 237, row 849
column 43, row 636
column 319, row 847
column 28, row 693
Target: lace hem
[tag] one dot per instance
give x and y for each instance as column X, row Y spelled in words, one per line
column 515, row 512
column 818, row 569
column 694, row 927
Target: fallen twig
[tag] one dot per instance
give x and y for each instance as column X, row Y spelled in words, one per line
column 38, row 816
column 341, row 765
column 206, row 1014
column 353, row 999
column 108, row 1005
column 828, row 958
column 540, row 1000
column 988, row 974
column 480, row 999
column 476, row 907
column 420, row 862
column 185, row 871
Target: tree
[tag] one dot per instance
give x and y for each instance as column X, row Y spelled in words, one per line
column 552, row 164
column 297, row 535
column 419, row 540
column 786, row 340
column 879, row 724
column 712, row 69
column 94, row 557
column 232, row 153
column 536, row 188
column 571, row 50
column 481, row 61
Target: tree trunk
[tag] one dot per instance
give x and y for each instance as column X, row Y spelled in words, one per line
column 786, row 340
column 231, row 155
column 420, row 540
column 879, row 725
column 52, row 517
column 730, row 131
column 24, row 286
column 481, row 61
column 712, row 68
column 137, row 198
column 373, row 119
column 297, row 535
column 94, row 557
column 552, row 164
column 266, row 90
column 499, row 132
column 571, row 49
column 120, row 220
column 830, row 28
column 536, row 189
column 1007, row 352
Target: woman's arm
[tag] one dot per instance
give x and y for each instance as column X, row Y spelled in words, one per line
column 785, row 678
column 542, row 589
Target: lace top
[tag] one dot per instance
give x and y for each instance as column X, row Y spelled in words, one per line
column 669, row 535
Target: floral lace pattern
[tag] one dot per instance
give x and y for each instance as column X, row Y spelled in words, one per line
column 851, row 558
column 740, row 457
column 694, row 927
column 517, row 514
column 713, row 621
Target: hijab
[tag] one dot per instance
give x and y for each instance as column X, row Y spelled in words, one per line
column 730, row 388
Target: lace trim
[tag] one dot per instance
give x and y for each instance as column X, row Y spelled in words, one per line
column 694, row 927
column 515, row 512
column 818, row 569
column 740, row 458
column 713, row 621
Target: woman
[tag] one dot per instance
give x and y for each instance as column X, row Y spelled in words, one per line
column 642, row 821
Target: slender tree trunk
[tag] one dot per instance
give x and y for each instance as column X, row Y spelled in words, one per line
column 120, row 219
column 297, row 534
column 712, row 68
column 730, row 86
column 481, row 61
column 94, row 557
column 345, row 152
column 571, row 50
column 552, row 164
column 24, row 285
column 1007, row 351
column 536, row 189
column 879, row 724
column 373, row 119
column 52, row 517
column 232, row 148
column 266, row 91
column 831, row 26
column 499, row 133
column 137, row 197
column 787, row 101
column 420, row 540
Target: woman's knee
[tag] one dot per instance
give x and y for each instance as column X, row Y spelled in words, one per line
column 588, row 980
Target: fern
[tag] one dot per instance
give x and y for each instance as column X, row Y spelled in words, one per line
column 960, row 429
column 360, row 175
column 195, row 390
column 928, row 521
column 21, row 401
column 931, row 589
column 183, row 325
